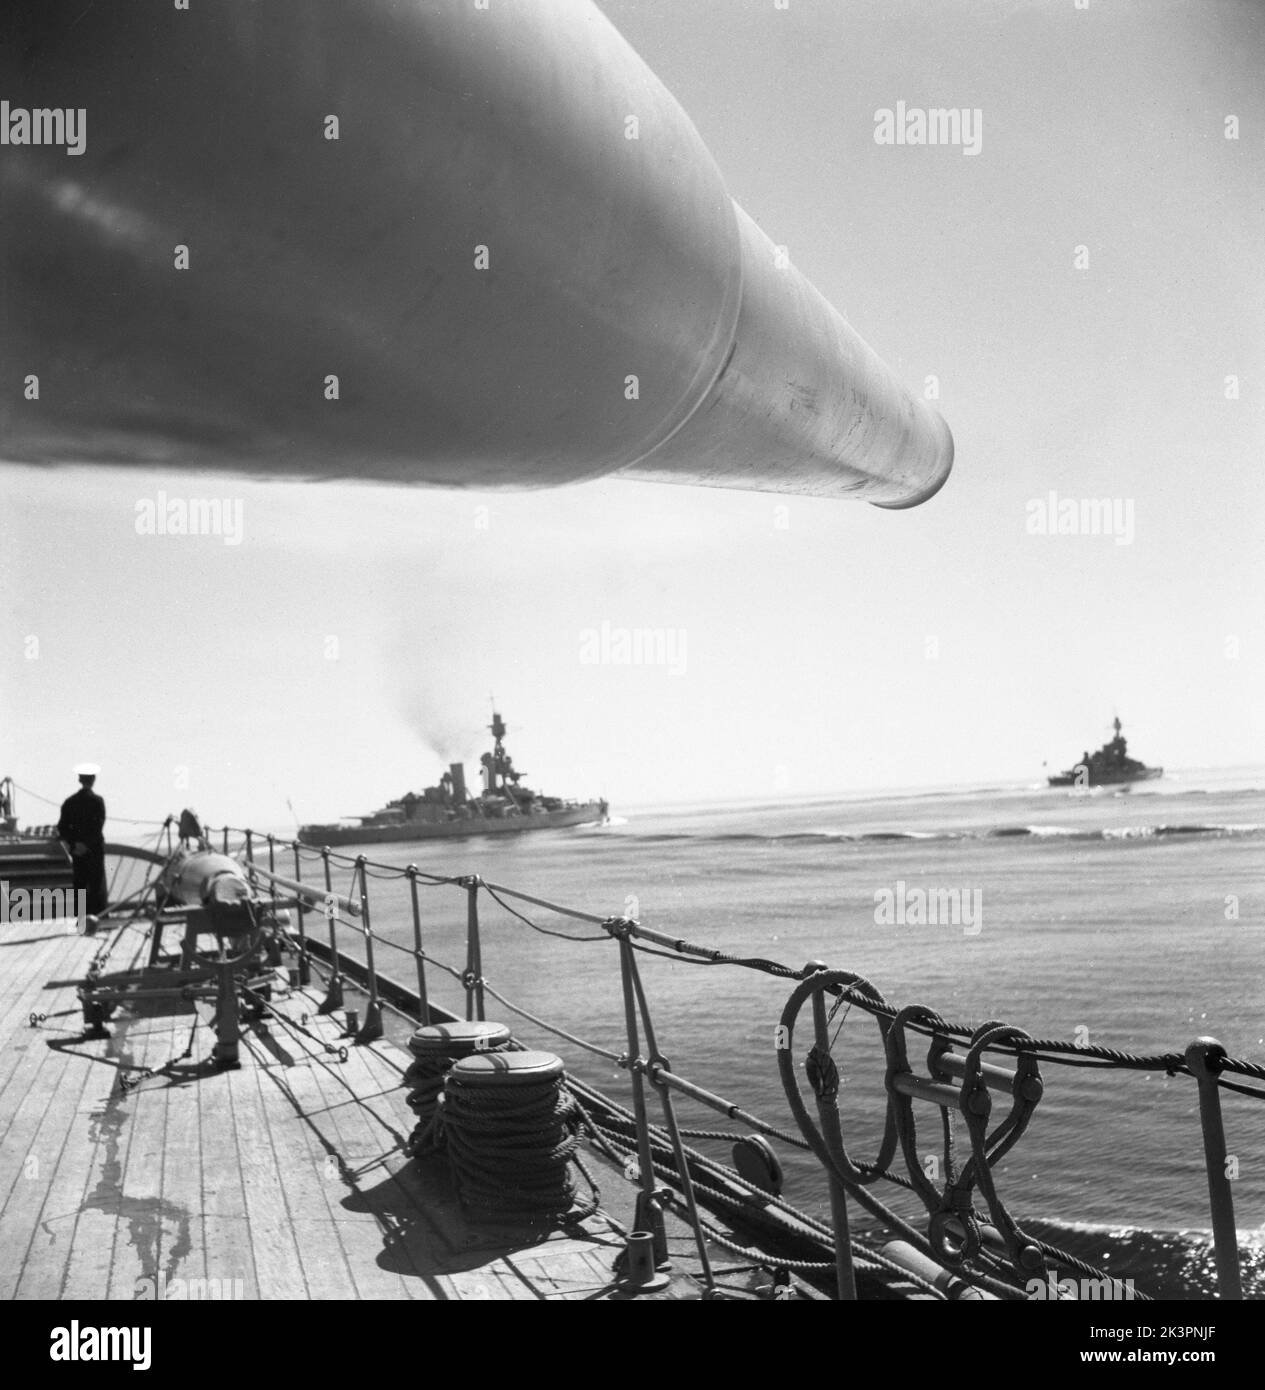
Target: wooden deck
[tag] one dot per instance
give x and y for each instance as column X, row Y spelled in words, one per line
column 284, row 1179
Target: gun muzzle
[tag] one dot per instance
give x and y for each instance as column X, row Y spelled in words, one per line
column 424, row 243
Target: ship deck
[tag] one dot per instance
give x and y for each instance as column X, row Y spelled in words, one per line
column 287, row 1174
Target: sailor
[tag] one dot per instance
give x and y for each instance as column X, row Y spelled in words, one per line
column 190, row 830
column 81, row 826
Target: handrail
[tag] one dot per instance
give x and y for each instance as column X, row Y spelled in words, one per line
column 1204, row 1059
column 1085, row 1054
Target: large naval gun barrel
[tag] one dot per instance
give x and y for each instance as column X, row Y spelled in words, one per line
column 421, row 241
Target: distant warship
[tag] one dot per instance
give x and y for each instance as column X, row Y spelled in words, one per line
column 504, row 806
column 1109, row 766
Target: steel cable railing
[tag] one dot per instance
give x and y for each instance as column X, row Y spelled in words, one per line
column 1204, row 1059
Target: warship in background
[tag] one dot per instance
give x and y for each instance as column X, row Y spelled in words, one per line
column 1109, row 766
column 447, row 810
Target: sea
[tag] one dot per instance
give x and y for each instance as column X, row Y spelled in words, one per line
column 1127, row 918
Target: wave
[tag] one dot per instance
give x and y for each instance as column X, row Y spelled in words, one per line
column 1098, row 834
column 831, row 836
column 1166, row 1264
column 1115, row 832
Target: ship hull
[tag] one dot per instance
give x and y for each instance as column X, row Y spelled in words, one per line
column 333, row 835
column 1107, row 779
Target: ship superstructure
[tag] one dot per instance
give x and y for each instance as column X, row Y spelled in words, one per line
column 505, row 805
column 1109, row 766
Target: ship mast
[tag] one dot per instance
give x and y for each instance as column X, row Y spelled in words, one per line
column 497, row 770
column 501, row 776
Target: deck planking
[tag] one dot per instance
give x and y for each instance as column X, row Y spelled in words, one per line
column 282, row 1179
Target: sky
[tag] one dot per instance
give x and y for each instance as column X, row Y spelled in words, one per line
column 352, row 641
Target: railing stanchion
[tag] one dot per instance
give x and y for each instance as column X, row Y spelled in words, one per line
column 1204, row 1057
column 274, row 952
column 272, row 869
column 225, row 839
column 658, row 1063
column 371, row 1028
column 334, row 993
column 250, row 847
column 474, row 952
column 649, row 1213
column 423, row 1002
column 828, row 1110
column 305, row 968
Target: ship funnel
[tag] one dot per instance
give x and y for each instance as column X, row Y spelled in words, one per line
column 458, row 771
column 433, row 243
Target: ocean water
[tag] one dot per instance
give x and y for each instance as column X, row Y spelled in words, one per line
column 1132, row 919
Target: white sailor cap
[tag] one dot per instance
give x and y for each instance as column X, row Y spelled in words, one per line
column 87, row 770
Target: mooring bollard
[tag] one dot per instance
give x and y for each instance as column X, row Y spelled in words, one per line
column 640, row 1272
column 509, row 1133
column 436, row 1049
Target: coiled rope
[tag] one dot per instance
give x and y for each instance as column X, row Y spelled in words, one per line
column 436, row 1049
column 511, row 1139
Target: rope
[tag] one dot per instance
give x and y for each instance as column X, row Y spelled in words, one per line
column 294, row 1027
column 535, row 926
column 510, row 1148
column 838, row 1171
column 869, row 1260
column 127, row 1083
column 121, row 820
column 1000, row 1141
column 618, row 1140
column 768, row 967
column 549, row 1027
column 425, row 1078
column 818, row 1232
column 1091, row 1271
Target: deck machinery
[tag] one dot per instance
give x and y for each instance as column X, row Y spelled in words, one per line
column 205, row 894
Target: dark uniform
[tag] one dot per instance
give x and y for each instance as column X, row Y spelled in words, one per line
column 83, row 823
